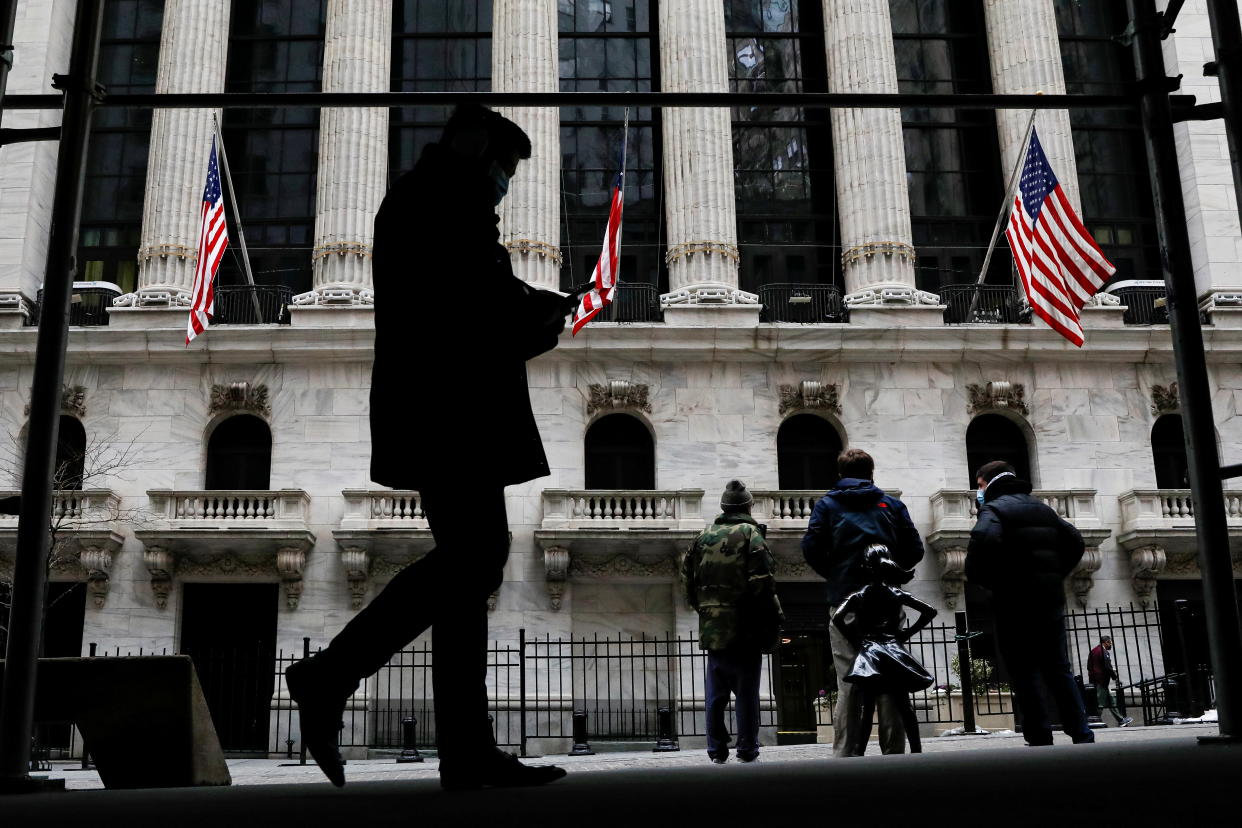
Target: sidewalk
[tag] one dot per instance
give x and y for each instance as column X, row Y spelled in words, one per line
column 1149, row 778
column 280, row 771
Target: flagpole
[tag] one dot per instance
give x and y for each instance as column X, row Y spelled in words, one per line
column 241, row 237
column 1004, row 212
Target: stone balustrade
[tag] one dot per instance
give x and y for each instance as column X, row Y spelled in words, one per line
column 1158, row 532
column 954, row 513
column 623, row 509
column 1170, row 507
column 75, row 505
column 372, row 509
column 789, row 508
column 281, row 506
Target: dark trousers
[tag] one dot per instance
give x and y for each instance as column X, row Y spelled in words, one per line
column 733, row 671
column 1032, row 645
column 446, row 590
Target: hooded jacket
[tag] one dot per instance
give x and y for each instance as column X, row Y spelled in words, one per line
column 1021, row 549
column 727, row 576
column 453, row 331
column 847, row 520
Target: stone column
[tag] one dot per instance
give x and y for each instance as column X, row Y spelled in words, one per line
column 1025, row 55
column 42, row 34
column 524, row 59
column 870, row 159
column 353, row 153
column 193, row 52
column 698, row 160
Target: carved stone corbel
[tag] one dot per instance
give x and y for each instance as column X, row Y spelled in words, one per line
column 1165, row 400
column 809, row 394
column 357, row 573
column 997, row 394
column 72, row 401
column 159, row 562
column 952, row 573
column 290, row 563
column 1146, row 564
column 556, row 570
column 1082, row 578
column 240, row 396
column 97, row 561
column 617, row 394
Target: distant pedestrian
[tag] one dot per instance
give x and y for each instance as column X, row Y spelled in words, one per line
column 871, row 620
column 1022, row 551
column 728, row 579
column 1100, row 672
column 847, row 520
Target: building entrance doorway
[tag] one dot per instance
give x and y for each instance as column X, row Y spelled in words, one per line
column 64, row 610
column 803, row 664
column 229, row 630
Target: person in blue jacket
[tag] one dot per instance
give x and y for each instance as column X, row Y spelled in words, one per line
column 845, row 522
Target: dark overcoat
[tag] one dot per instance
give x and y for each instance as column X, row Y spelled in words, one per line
column 453, row 331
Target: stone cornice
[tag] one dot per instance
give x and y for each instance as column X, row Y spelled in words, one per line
column 647, row 342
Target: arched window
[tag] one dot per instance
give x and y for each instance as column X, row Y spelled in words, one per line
column 239, row 454
column 70, row 454
column 806, row 453
column 1168, row 452
column 994, row 437
column 619, row 454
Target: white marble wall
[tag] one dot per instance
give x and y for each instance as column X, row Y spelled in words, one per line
column 712, row 421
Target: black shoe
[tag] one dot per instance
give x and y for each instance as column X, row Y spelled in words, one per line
column 495, row 770
column 747, row 757
column 319, row 717
column 719, row 759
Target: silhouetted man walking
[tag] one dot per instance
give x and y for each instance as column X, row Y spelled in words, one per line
column 450, row 318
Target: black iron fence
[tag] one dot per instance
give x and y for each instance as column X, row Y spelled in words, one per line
column 1145, row 305
column 634, row 302
column 246, row 305
column 987, row 304
column 809, row 303
column 88, row 306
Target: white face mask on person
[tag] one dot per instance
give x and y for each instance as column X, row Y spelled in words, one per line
column 500, row 180
column 979, row 496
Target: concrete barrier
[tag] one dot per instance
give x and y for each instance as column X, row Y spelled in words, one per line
column 144, row 718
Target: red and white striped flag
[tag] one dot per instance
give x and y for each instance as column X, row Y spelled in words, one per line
column 1059, row 262
column 213, row 238
column 605, row 276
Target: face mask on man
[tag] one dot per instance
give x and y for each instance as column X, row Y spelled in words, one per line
column 500, row 181
column 979, row 496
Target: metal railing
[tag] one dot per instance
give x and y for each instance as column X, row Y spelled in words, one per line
column 1144, row 305
column 985, row 304
column 634, row 302
column 235, row 305
column 808, row 303
column 88, row 308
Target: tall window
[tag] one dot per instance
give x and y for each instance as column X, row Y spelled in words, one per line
column 239, row 454
column 1108, row 143
column 952, row 161
column 620, row 454
column 116, row 163
column 996, row 437
column 1168, row 450
column 70, row 454
column 610, row 45
column 437, row 46
column 274, row 46
column 807, row 448
column 782, row 156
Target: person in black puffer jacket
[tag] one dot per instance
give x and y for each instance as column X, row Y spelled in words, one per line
column 1022, row 550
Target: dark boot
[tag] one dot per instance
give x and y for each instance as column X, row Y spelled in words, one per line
column 494, row 769
column 320, row 713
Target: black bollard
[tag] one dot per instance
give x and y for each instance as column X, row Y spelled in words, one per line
column 1181, row 614
column 668, row 740
column 409, row 742
column 581, row 746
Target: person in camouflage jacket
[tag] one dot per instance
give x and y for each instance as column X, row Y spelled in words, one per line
column 728, row 576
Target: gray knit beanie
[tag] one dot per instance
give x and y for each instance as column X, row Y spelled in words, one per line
column 736, row 494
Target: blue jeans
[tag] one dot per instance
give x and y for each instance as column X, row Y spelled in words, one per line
column 736, row 671
column 1033, row 647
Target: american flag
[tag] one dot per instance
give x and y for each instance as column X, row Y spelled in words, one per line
column 213, row 238
column 605, row 276
column 1061, row 266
